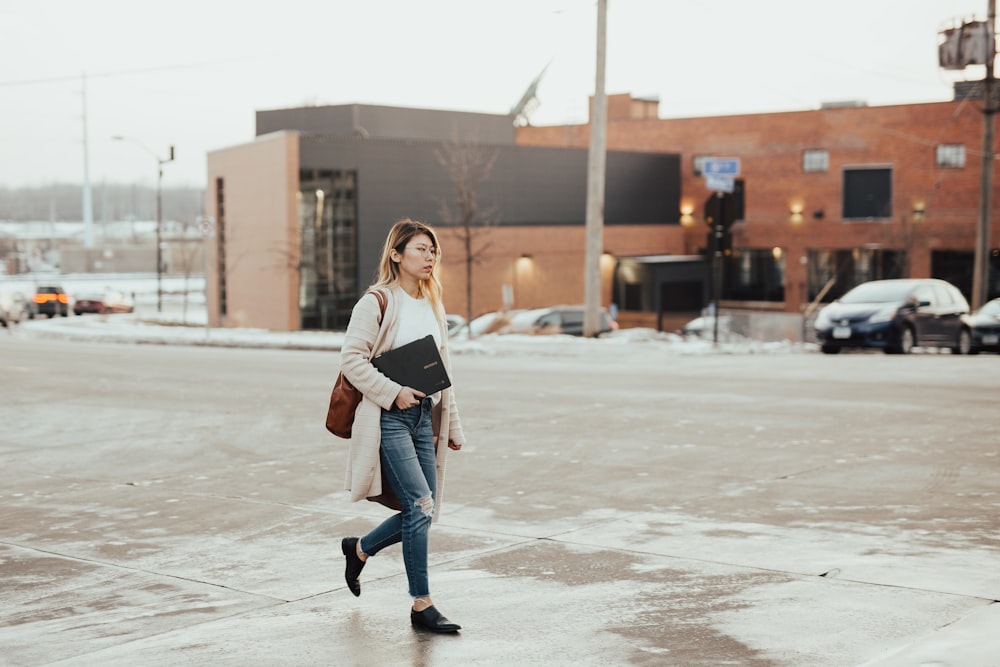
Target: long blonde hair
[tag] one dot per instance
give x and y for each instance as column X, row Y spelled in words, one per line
column 388, row 271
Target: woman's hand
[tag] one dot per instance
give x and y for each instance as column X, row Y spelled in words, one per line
column 454, row 445
column 408, row 397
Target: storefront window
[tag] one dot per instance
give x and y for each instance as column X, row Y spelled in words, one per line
column 833, row 272
column 328, row 264
column 755, row 275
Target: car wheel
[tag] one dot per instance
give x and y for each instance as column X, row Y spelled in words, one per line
column 904, row 345
column 830, row 349
column 906, row 341
column 964, row 345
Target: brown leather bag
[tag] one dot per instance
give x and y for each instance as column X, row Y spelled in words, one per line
column 345, row 397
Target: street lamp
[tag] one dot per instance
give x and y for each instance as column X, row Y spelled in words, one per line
column 159, row 213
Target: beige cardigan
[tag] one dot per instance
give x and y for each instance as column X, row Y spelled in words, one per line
column 364, row 340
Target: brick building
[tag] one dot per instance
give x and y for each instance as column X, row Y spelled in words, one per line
column 830, row 197
column 826, row 199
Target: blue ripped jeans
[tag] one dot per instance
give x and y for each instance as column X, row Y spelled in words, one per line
column 408, row 463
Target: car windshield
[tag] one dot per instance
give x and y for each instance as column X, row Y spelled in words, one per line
column 991, row 308
column 878, row 293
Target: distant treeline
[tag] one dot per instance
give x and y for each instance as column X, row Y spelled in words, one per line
column 63, row 202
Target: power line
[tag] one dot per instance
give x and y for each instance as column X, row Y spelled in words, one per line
column 122, row 72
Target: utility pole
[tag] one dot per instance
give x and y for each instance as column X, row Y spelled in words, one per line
column 981, row 264
column 159, row 227
column 159, row 212
column 87, row 203
column 596, row 160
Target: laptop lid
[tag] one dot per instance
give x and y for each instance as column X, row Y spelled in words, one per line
column 417, row 364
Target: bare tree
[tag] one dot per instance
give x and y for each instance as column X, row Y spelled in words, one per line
column 468, row 164
column 189, row 250
column 906, row 235
column 289, row 257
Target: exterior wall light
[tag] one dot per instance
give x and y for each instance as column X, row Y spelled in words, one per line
column 795, row 212
column 687, row 213
column 919, row 210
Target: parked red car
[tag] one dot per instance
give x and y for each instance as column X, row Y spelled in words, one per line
column 109, row 301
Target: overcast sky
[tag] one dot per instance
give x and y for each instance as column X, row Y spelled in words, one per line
column 192, row 72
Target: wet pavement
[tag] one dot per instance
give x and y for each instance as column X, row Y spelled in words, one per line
column 616, row 504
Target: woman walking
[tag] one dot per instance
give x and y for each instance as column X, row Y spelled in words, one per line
column 397, row 428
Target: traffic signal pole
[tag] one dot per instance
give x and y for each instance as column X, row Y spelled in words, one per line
column 719, row 216
column 721, row 210
column 719, row 229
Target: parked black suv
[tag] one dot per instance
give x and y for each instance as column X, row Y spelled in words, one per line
column 897, row 315
column 51, row 300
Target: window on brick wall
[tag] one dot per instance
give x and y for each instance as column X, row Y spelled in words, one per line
column 754, row 275
column 950, row 155
column 833, row 273
column 867, row 193
column 815, row 159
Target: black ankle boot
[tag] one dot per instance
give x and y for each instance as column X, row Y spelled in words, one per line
column 349, row 545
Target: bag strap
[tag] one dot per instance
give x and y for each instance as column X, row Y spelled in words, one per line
column 382, row 302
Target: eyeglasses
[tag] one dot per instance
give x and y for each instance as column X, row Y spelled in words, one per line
column 423, row 250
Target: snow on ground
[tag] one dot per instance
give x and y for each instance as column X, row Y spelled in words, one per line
column 172, row 326
column 182, row 320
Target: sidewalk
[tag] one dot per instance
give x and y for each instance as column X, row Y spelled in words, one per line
column 618, row 504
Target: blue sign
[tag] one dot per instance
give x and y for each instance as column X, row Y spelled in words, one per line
column 721, row 166
column 720, row 183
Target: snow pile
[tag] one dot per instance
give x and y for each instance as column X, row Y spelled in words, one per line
column 175, row 328
column 177, row 317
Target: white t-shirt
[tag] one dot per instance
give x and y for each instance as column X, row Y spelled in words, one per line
column 416, row 320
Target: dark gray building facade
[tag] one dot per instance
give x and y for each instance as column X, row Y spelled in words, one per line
column 362, row 167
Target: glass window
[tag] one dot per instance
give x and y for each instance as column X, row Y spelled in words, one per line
column 942, row 296
column 572, row 317
column 816, row 159
column 867, row 193
column 833, row 273
column 755, row 274
column 950, row 155
column 328, row 256
column 924, row 293
column 548, row 320
column 220, row 243
column 877, row 292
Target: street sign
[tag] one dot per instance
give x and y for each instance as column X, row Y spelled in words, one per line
column 720, row 182
column 721, row 166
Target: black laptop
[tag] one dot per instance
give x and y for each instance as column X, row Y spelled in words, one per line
column 417, row 364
